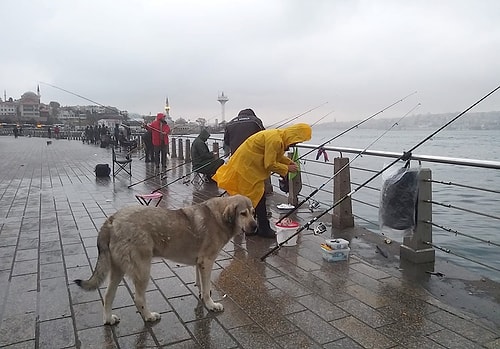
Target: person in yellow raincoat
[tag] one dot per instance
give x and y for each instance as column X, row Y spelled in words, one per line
column 254, row 161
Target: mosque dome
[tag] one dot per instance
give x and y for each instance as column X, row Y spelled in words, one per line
column 30, row 96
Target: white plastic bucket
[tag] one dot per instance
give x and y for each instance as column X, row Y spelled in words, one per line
column 284, row 230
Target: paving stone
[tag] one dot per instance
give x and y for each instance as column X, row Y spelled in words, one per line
column 297, row 340
column 25, row 267
column 362, row 333
column 131, row 321
column 290, row 287
column 315, row 327
column 30, row 344
column 450, row 339
column 285, row 302
column 365, row 295
column 16, row 328
column 464, row 327
column 253, row 336
column 57, row 333
column 322, row 307
column 172, row 287
column 22, row 295
column 363, row 312
column 50, row 257
column 54, row 300
column 102, row 338
column 210, row 334
column 169, row 330
column 343, row 343
column 26, row 255
column 370, row 271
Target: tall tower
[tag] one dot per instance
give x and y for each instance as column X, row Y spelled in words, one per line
column 222, row 100
column 167, row 108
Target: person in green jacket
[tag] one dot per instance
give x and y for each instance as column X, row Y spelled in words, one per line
column 203, row 160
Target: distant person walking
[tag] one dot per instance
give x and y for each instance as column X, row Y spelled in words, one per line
column 159, row 136
column 56, row 132
column 49, row 131
column 253, row 162
column 16, row 131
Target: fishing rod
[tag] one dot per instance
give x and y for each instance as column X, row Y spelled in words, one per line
column 315, row 191
column 357, row 125
column 288, row 120
column 188, row 174
column 405, row 157
column 324, row 116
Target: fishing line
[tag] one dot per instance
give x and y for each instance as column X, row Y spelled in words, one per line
column 187, row 174
column 87, row 99
column 315, row 191
column 324, row 116
column 405, row 156
column 288, row 120
column 357, row 125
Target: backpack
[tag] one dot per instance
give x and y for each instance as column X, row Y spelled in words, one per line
column 102, row 170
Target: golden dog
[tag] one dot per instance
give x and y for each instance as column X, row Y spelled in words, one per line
column 192, row 235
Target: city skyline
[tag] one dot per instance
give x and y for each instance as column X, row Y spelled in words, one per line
column 280, row 58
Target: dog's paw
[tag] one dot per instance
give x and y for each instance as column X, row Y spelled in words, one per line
column 113, row 320
column 211, row 305
column 152, row 317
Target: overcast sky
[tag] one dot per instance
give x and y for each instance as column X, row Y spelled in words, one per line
column 280, row 58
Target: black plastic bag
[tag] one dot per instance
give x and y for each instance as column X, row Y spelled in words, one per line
column 284, row 184
column 398, row 198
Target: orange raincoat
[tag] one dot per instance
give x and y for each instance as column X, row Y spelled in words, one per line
column 255, row 160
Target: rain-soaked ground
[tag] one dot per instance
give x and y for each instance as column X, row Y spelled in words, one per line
column 52, row 206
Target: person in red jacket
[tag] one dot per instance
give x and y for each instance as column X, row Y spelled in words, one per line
column 159, row 132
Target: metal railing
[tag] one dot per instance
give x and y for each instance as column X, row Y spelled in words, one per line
column 465, row 210
column 463, row 215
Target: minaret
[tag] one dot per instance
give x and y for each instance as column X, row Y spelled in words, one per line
column 222, row 100
column 167, row 108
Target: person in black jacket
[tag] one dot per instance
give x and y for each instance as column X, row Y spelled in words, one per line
column 203, row 160
column 238, row 130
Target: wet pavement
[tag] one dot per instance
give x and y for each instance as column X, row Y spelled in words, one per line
column 52, row 205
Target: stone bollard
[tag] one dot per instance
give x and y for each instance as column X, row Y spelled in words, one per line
column 414, row 248
column 342, row 213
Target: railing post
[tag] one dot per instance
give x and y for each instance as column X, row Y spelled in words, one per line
column 181, row 150
column 414, row 248
column 342, row 213
column 188, row 150
column 174, row 148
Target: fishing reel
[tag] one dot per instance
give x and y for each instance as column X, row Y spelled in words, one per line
column 319, row 229
column 313, row 204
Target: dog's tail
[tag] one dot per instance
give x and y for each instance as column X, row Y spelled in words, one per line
column 103, row 260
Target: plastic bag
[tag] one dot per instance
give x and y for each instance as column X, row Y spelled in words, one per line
column 284, row 184
column 398, row 198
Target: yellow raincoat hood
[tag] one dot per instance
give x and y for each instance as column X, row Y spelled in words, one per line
column 257, row 157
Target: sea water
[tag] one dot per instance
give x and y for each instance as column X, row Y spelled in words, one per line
column 472, row 144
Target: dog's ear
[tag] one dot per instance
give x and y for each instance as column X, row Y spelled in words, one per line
column 229, row 213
